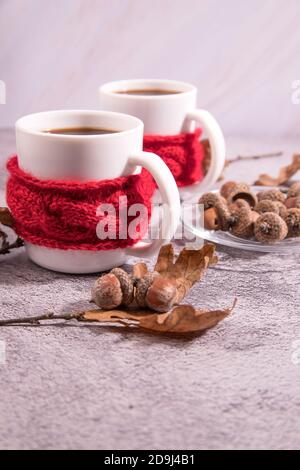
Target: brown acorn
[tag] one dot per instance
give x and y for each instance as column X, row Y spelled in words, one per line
column 293, row 202
column 218, row 217
column 270, row 228
column 227, row 188
column 266, row 205
column 161, row 295
column 271, row 195
column 211, row 220
column 113, row 289
column 224, row 216
column 237, row 205
column 292, row 220
column 243, row 222
column 294, row 190
column 156, row 292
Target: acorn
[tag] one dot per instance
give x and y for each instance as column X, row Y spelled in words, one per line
column 218, row 217
column 227, row 188
column 156, row 292
column 266, row 205
column 243, row 222
column 210, row 200
column 242, row 191
column 237, row 205
column 113, row 289
column 224, row 216
column 162, row 294
column 271, row 195
column 293, row 202
column 270, row 228
column 294, row 190
column 292, row 220
column 142, row 287
column 211, row 220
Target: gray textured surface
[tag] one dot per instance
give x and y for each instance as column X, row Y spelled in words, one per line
column 89, row 387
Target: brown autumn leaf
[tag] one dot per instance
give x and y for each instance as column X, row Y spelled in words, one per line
column 165, row 259
column 285, row 174
column 6, row 217
column 139, row 270
column 189, row 267
column 180, row 320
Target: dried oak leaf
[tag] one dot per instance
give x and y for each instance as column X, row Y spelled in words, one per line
column 139, row 270
column 285, row 174
column 6, row 217
column 187, row 269
column 182, row 319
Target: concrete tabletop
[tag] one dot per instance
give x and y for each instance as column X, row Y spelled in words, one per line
column 91, row 387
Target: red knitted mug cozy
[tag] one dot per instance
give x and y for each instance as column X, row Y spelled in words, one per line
column 183, row 154
column 63, row 214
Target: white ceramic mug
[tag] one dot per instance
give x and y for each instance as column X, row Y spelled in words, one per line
column 168, row 114
column 92, row 157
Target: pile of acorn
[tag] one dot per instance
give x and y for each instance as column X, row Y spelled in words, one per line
column 268, row 216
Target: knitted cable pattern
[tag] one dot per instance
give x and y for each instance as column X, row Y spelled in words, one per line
column 63, row 214
column 183, row 154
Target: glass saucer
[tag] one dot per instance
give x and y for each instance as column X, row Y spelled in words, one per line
column 287, row 246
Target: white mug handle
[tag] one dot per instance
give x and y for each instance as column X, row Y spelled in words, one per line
column 170, row 199
column 213, row 132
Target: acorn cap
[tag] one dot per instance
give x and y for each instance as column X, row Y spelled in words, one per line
column 210, row 200
column 270, row 228
column 242, row 191
column 272, row 195
column 126, row 285
column 292, row 220
column 243, row 223
column 142, row 287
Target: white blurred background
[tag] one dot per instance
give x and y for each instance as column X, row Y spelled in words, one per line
column 243, row 55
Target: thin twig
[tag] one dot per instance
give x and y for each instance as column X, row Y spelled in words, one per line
column 253, row 157
column 37, row 319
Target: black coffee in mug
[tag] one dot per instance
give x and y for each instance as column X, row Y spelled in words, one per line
column 148, row 92
column 80, row 131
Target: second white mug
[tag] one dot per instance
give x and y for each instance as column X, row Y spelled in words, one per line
column 168, row 107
